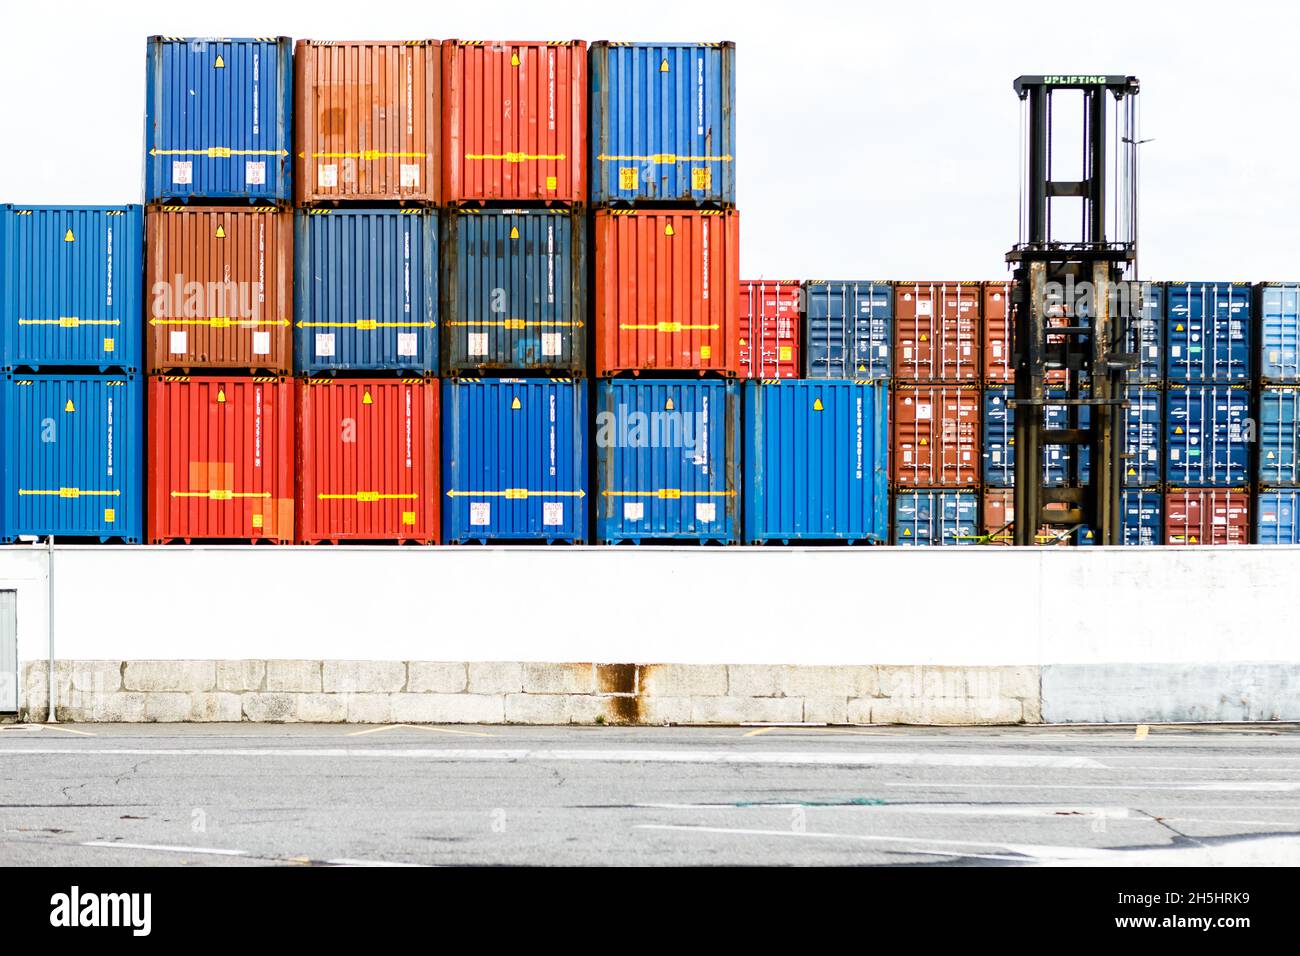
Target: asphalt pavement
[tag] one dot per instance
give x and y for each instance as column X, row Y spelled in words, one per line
column 241, row 794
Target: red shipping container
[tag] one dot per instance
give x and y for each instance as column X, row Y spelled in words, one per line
column 515, row 123
column 667, row 282
column 999, row 514
column 219, row 280
column 368, row 460
column 220, row 459
column 937, row 331
column 936, row 431
column 1207, row 516
column 769, row 328
column 998, row 323
column 367, row 120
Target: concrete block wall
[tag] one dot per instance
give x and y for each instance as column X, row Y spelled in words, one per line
column 504, row 692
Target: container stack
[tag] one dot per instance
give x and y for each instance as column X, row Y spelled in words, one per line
column 514, row 291
column 666, row 236
column 71, row 402
column 367, row 118
column 1277, row 468
column 937, row 366
column 1207, row 412
column 219, row 267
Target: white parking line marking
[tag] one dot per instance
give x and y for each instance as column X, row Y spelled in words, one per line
column 683, row 755
column 425, row 727
column 207, row 850
column 941, row 809
column 345, row 862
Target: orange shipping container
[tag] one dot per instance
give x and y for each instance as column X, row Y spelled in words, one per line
column 937, row 331
column 516, row 121
column 219, row 285
column 998, row 366
column 367, row 120
column 220, row 459
column 999, row 518
column 667, row 291
column 936, row 436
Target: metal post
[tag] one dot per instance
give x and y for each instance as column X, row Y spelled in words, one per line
column 51, row 717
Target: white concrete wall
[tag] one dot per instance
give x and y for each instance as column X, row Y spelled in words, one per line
column 698, row 606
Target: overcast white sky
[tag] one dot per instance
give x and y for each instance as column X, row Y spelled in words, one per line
column 873, row 142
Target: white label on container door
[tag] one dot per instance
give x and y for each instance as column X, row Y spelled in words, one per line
column 406, row 343
column 1175, row 350
column 883, row 350
column 924, row 307
column 480, row 512
column 907, row 352
column 552, row 512
column 477, row 343
column 996, row 457
column 706, row 511
column 907, row 457
column 923, row 411
column 255, row 173
column 550, row 343
column 1220, row 520
column 325, row 343
column 176, row 343
column 327, row 175
column 182, row 172
column 410, row 175
column 1173, row 453
column 633, row 511
column 997, row 349
column 261, row 343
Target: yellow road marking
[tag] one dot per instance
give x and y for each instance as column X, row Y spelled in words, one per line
column 1141, row 732
column 758, row 732
column 68, row 730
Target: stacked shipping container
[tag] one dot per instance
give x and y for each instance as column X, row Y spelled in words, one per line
column 1277, row 433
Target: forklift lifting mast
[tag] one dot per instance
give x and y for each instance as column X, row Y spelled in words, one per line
column 1072, row 303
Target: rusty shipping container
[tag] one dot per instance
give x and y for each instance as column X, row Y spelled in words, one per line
column 1207, row 516
column 367, row 460
column 998, row 324
column 367, row 120
column 220, row 459
column 999, row 521
column 937, row 331
column 936, row 431
column 219, row 285
column 515, row 124
column 768, row 343
column 667, row 283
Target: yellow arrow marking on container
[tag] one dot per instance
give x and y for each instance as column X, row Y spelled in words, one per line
column 218, row 152
column 666, row 327
column 221, row 494
column 518, row 157
column 668, row 494
column 69, row 322
column 367, row 325
column 370, row 155
column 68, row 492
column 667, row 159
column 367, row 496
column 221, row 322
column 69, row 237
column 518, row 323
column 516, row 494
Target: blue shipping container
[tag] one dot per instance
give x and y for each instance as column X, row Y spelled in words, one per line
column 1279, row 435
column 73, row 456
column 663, row 122
column 1208, row 331
column 816, row 461
column 366, row 289
column 1145, row 336
column 218, row 119
column 71, row 287
column 999, row 445
column 1206, row 442
column 940, row 517
column 1279, row 338
column 1142, row 517
column 668, row 460
column 1141, row 441
column 514, row 460
column 850, row 329
column 1277, row 516
column 515, row 290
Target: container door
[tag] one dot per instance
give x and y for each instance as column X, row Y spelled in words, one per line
column 8, row 652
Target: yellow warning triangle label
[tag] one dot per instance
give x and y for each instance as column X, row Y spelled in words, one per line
column 221, row 232
column 221, row 395
column 924, row 337
column 743, row 342
column 1270, row 454
column 907, row 532
column 817, row 405
column 514, row 59
column 1178, row 430
column 668, row 230
column 1178, row 327
column 669, row 406
column 69, row 407
column 516, row 404
column 925, row 441
column 1132, row 472
column 366, row 399
column 514, row 232
column 1192, row 539
column 862, row 368
column 220, row 64
column 69, row 237
column 663, row 66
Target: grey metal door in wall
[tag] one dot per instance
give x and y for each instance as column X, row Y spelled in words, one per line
column 8, row 651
